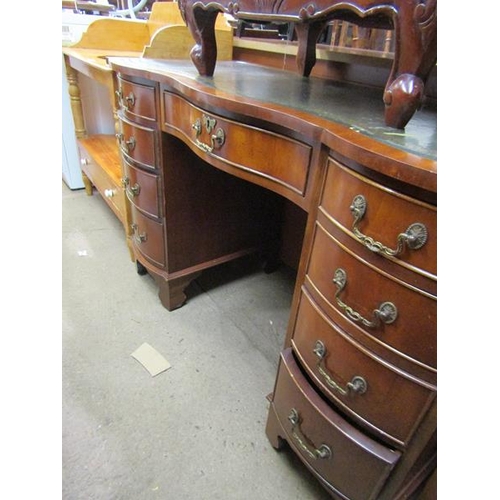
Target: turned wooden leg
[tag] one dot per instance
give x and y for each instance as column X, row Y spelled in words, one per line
column 307, row 36
column 88, row 184
column 274, row 429
column 77, row 113
column 414, row 58
column 75, row 100
column 201, row 24
column 171, row 291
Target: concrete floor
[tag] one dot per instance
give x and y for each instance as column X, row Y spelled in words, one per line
column 195, row 431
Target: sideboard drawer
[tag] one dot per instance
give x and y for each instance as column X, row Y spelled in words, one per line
column 362, row 295
column 137, row 100
column 142, row 189
column 381, row 397
column 147, row 236
column 349, row 461
column 383, row 215
column 138, row 143
column 251, row 149
column 107, row 182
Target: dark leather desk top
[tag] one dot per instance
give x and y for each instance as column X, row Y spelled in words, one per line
column 357, row 107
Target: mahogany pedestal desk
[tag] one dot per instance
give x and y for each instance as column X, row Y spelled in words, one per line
column 208, row 162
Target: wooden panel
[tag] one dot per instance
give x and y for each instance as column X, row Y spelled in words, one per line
column 412, row 334
column 392, row 404
column 358, row 465
column 258, row 151
column 211, row 215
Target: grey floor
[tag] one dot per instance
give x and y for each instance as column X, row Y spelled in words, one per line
column 195, row 431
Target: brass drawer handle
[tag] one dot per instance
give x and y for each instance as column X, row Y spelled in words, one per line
column 322, row 452
column 196, row 126
column 131, row 191
column 139, row 238
column 357, row 384
column 129, row 145
column 130, row 100
column 386, row 312
column 217, row 140
column 414, row 237
column 119, row 96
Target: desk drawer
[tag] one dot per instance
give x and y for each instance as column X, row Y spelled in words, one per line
column 353, row 464
column 137, row 100
column 147, row 236
column 379, row 396
column 142, row 189
column 387, row 214
column 360, row 290
column 257, row 151
column 138, row 143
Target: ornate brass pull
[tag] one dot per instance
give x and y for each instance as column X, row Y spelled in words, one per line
column 119, row 95
column 129, row 145
column 196, row 126
column 357, row 384
column 414, row 237
column 139, row 238
column 216, row 140
column 386, row 312
column 133, row 191
column 208, row 122
column 130, row 100
column 323, row 451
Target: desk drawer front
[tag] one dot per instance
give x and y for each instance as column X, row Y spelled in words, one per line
column 353, row 464
column 383, row 216
column 138, row 143
column 380, row 397
column 147, row 236
column 142, row 189
column 137, row 100
column 390, row 313
column 263, row 153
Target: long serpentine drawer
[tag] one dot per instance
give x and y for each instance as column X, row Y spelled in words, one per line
column 253, row 150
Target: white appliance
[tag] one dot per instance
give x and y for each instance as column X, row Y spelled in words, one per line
column 73, row 26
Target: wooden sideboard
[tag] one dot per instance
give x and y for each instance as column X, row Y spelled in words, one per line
column 209, row 163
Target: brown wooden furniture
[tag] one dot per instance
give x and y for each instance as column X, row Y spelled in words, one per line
column 210, row 162
column 163, row 35
column 414, row 22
